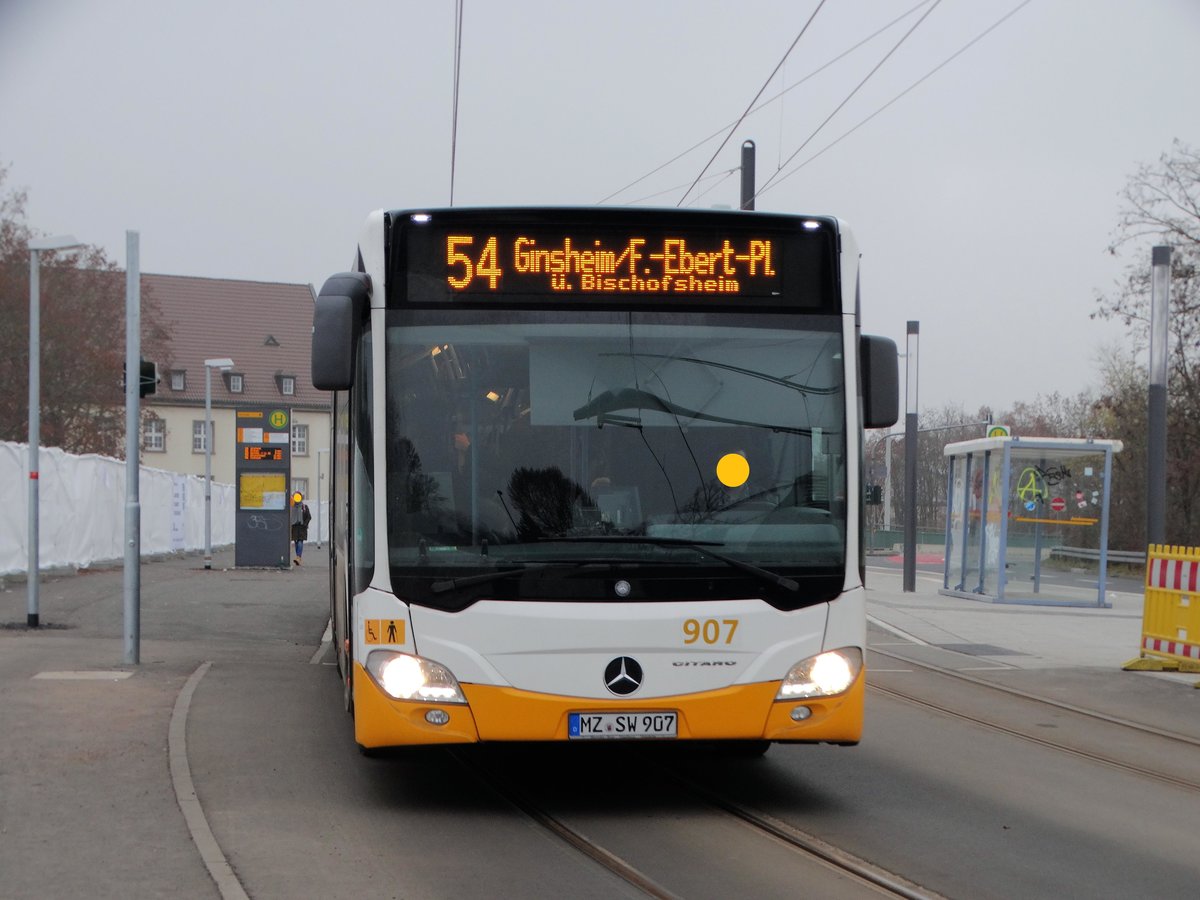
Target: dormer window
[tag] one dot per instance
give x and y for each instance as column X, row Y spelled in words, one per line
column 287, row 385
column 235, row 382
column 179, row 379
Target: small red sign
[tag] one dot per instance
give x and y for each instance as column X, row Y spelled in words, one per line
column 1058, row 504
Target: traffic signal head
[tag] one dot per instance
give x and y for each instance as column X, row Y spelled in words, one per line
column 148, row 383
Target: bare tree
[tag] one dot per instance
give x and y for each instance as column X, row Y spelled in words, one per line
column 1161, row 205
column 1121, row 413
column 936, row 429
column 82, row 317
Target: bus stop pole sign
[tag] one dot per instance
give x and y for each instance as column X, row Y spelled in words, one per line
column 264, row 475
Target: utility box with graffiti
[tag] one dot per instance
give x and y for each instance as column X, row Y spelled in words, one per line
column 1015, row 502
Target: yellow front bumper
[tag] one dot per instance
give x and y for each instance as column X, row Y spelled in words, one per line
column 742, row 712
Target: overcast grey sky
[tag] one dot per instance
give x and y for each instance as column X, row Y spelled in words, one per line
column 250, row 139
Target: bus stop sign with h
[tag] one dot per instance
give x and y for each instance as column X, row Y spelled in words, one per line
column 264, row 477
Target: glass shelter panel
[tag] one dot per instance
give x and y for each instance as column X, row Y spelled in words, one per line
column 956, row 526
column 1022, row 514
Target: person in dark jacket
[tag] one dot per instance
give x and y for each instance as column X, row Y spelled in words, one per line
column 300, row 519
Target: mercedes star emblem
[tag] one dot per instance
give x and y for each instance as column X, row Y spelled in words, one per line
column 623, row 675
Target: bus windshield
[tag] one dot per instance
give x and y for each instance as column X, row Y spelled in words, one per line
column 565, row 451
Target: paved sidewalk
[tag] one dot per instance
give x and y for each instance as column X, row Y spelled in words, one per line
column 1031, row 637
column 87, row 804
column 1069, row 655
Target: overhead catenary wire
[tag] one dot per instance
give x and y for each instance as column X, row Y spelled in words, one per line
column 776, row 180
column 850, row 96
column 712, row 187
column 770, row 78
column 458, row 22
column 725, row 173
column 763, row 105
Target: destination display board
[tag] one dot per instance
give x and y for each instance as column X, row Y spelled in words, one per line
column 534, row 262
column 775, row 261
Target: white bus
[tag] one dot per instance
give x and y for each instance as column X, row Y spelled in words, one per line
column 598, row 475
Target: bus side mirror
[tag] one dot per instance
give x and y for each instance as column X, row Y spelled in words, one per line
column 338, row 314
column 880, row 381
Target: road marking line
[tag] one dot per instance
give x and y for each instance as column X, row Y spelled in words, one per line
column 898, row 632
column 185, row 794
column 326, row 640
column 985, row 669
column 83, row 676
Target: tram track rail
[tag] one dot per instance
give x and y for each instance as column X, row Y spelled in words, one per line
column 514, row 796
column 807, row 846
column 887, row 883
column 1047, row 701
column 1171, row 737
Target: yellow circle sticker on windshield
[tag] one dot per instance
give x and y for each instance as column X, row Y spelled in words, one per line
column 733, row 470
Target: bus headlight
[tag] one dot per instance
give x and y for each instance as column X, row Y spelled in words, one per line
column 407, row 677
column 822, row 676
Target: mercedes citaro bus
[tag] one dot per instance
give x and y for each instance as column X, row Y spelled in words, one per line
column 597, row 475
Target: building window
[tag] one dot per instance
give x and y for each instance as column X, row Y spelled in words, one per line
column 198, row 435
column 154, row 435
column 287, row 385
column 300, row 485
column 179, row 379
column 236, row 383
column 299, row 440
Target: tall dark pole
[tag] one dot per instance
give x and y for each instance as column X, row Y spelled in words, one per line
column 910, row 460
column 133, row 505
column 747, row 175
column 1156, row 448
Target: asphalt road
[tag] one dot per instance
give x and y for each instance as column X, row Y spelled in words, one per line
column 88, row 806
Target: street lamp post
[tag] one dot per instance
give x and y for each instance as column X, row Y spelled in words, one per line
column 910, row 460
column 1156, row 446
column 224, row 364
column 62, row 242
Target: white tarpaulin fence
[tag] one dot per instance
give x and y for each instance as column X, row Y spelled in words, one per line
column 81, row 504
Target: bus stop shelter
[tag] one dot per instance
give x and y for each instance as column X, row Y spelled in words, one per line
column 1015, row 503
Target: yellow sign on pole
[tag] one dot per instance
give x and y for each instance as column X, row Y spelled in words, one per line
column 996, row 431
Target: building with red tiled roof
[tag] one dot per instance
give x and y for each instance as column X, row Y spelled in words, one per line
column 266, row 329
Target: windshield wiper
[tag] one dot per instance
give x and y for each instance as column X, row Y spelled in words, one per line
column 453, row 584
column 701, row 547
column 629, row 398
